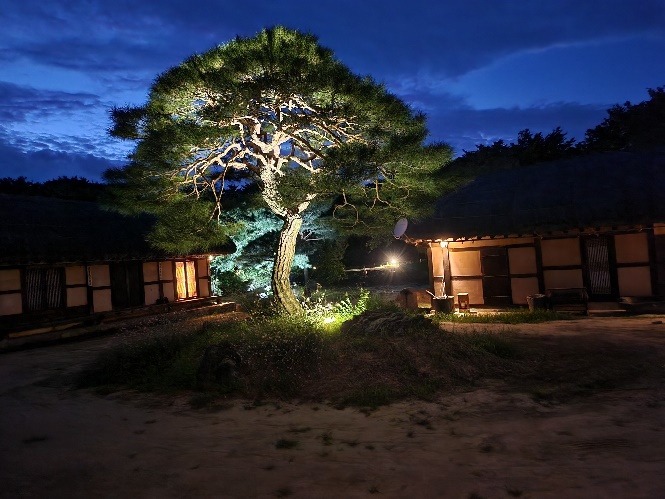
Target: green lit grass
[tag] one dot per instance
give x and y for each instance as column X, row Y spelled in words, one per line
column 380, row 357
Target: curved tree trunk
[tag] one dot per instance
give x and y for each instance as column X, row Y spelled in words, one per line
column 281, row 271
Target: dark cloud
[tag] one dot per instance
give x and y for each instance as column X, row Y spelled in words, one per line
column 17, row 102
column 46, row 164
column 377, row 38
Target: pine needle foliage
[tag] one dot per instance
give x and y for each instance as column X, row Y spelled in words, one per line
column 278, row 111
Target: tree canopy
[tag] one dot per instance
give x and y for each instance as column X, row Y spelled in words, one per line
column 630, row 127
column 627, row 127
column 528, row 149
column 80, row 189
column 278, row 111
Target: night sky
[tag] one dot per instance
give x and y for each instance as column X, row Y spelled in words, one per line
column 480, row 69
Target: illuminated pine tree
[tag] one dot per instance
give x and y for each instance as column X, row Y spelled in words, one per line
column 279, row 111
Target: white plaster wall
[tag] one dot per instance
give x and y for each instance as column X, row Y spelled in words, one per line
column 11, row 304
column 563, row 278
column 472, row 286
column 632, row 248
column 168, row 290
column 10, row 280
column 151, row 292
column 202, row 265
column 634, row 281
column 101, row 300
column 203, row 288
column 522, row 260
column 100, row 275
column 560, row 252
column 465, row 263
column 150, row 272
column 77, row 297
column 436, row 253
column 523, row 287
column 76, row 275
column 167, row 270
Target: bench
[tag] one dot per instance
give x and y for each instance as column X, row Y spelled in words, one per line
column 568, row 299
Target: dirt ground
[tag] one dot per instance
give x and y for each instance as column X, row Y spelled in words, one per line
column 488, row 442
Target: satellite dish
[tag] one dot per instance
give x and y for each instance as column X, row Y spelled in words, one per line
column 400, row 228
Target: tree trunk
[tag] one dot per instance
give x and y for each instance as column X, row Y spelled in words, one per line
column 281, row 271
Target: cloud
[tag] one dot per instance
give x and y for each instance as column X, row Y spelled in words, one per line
column 45, row 164
column 21, row 103
column 75, row 122
column 89, row 48
column 393, row 38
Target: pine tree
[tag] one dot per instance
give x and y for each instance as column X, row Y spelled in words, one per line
column 280, row 111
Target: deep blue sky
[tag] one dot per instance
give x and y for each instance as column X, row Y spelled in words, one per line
column 480, row 69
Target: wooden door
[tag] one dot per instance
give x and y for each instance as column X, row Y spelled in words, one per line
column 126, row 284
column 497, row 291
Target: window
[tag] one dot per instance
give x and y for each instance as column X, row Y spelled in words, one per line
column 185, row 275
column 44, row 289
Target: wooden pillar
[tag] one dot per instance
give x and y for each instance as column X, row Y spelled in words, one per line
column 539, row 264
column 448, row 284
column 657, row 261
column 439, row 269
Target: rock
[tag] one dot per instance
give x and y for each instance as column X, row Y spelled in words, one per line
column 219, row 366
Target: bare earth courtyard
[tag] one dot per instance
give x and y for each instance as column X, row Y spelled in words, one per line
column 487, row 442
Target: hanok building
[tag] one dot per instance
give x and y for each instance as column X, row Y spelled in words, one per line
column 593, row 223
column 63, row 260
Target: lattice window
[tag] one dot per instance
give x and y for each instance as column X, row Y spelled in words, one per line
column 185, row 275
column 597, row 253
column 44, row 289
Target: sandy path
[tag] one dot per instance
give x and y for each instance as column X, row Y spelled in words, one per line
column 55, row 442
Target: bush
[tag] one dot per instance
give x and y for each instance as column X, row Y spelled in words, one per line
column 228, row 282
column 328, row 261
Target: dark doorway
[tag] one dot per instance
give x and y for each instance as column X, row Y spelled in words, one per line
column 126, row 284
column 496, row 277
column 598, row 271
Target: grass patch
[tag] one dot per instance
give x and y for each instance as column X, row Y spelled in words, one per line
column 495, row 344
column 377, row 358
column 519, row 316
column 278, row 354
